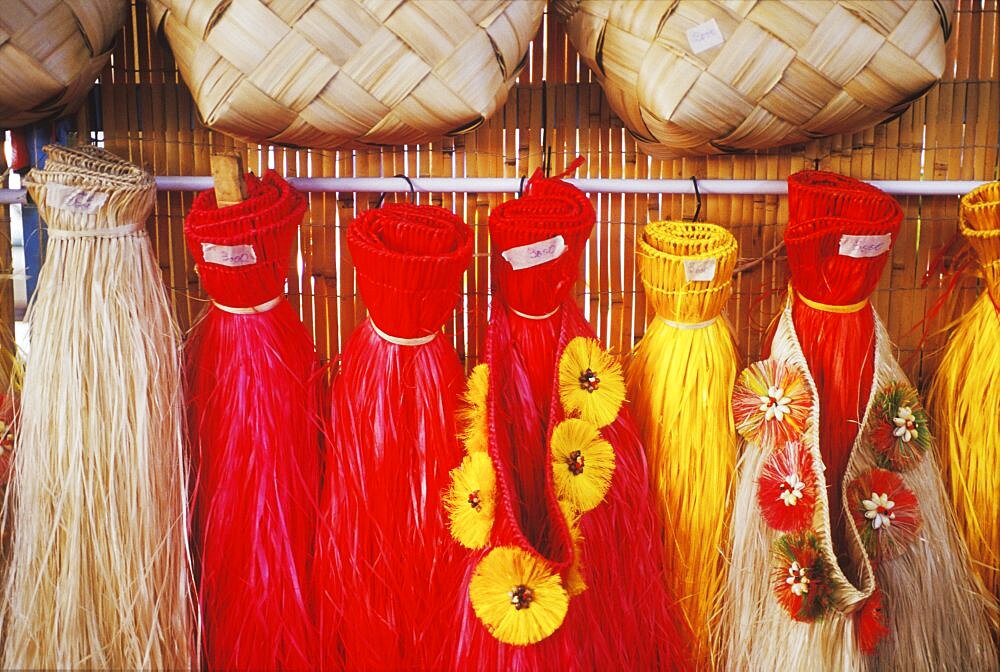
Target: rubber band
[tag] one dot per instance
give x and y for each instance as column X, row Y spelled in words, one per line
column 827, row 308
column 113, row 232
column 259, row 308
column 420, row 340
column 689, row 325
column 534, row 317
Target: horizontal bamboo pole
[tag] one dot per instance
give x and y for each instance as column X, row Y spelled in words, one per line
column 490, row 185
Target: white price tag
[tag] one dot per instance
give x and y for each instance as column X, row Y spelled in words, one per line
column 74, row 198
column 535, row 254
column 704, row 36
column 700, row 270
column 861, row 247
column 229, row 255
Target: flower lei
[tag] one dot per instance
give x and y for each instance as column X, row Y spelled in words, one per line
column 517, row 594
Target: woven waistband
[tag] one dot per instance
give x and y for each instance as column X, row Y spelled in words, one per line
column 250, row 310
column 689, row 325
column 420, row 340
column 113, row 232
column 828, row 308
column 534, row 317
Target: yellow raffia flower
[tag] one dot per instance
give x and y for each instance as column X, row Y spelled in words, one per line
column 517, row 597
column 471, row 500
column 591, row 383
column 582, row 464
column 472, row 416
column 575, row 583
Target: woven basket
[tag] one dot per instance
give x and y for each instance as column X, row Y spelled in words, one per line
column 694, row 77
column 325, row 73
column 51, row 51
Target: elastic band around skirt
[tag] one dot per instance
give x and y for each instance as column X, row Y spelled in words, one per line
column 250, row 310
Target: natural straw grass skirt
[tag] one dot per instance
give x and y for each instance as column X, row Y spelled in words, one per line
column 387, row 574
column 680, row 379
column 255, row 426
column 965, row 396
column 846, row 556
column 99, row 574
column 566, row 570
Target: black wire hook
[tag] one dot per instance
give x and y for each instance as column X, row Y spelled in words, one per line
column 697, row 195
column 520, row 187
column 413, row 189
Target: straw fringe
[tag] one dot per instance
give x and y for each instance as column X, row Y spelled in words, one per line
column 100, row 570
column 965, row 396
column 680, row 383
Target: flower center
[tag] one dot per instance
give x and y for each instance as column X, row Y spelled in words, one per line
column 589, row 381
column 521, row 597
column 474, row 500
column 910, row 424
column 575, row 462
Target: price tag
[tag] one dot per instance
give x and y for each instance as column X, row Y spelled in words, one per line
column 229, row 255
column 74, row 198
column 704, row 36
column 535, row 254
column 700, row 270
column 861, row 247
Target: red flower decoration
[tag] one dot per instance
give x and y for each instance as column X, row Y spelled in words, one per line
column 800, row 576
column 771, row 403
column 885, row 512
column 786, row 489
column 900, row 434
column 872, row 627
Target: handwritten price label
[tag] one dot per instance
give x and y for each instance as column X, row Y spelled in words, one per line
column 700, row 270
column 535, row 254
column 75, row 199
column 704, row 36
column 229, row 255
column 861, row 247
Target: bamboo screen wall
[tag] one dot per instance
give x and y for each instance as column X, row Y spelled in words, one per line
column 554, row 113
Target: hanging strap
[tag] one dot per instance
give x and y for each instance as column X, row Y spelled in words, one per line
column 689, row 325
column 534, row 317
column 113, row 232
column 250, row 310
column 828, row 308
column 420, row 340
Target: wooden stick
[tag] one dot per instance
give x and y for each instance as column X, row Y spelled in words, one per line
column 227, row 174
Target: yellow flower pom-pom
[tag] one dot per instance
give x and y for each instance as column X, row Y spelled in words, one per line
column 517, row 597
column 582, row 464
column 575, row 583
column 591, row 384
column 473, row 430
column 471, row 501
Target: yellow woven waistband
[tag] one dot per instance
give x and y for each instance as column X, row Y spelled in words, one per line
column 828, row 308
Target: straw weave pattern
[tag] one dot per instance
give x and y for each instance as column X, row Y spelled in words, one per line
column 327, row 74
column 692, row 77
column 51, row 52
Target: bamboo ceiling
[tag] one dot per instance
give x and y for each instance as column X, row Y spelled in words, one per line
column 554, row 113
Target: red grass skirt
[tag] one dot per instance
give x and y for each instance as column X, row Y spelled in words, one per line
column 624, row 618
column 255, row 431
column 838, row 346
column 387, row 572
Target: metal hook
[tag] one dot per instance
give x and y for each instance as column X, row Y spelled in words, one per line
column 697, row 195
column 520, row 187
column 413, row 189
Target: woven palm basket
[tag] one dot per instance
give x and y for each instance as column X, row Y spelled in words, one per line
column 694, row 77
column 51, row 51
column 331, row 73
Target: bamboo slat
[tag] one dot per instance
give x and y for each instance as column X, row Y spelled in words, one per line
column 953, row 133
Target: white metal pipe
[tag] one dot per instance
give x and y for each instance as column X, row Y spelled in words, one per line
column 484, row 185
